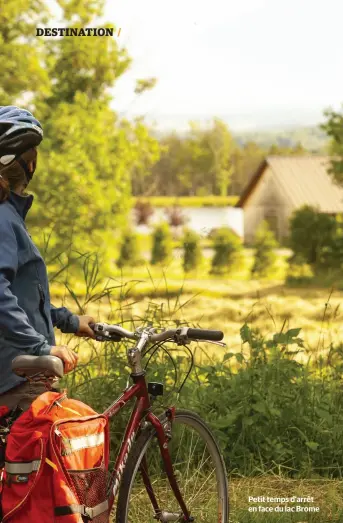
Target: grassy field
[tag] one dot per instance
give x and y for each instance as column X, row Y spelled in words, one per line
column 220, row 302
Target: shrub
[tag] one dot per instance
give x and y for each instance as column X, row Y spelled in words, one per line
column 192, row 253
column 228, row 250
column 299, row 272
column 311, row 234
column 265, row 256
column 129, row 250
column 161, row 245
column 175, row 216
column 279, row 416
column 143, row 212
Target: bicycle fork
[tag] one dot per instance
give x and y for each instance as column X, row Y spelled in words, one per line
column 163, row 437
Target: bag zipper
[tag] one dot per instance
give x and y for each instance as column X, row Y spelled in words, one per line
column 57, row 401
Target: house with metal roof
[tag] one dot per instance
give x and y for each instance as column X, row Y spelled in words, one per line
column 282, row 184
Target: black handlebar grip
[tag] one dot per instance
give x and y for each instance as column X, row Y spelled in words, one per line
column 203, row 334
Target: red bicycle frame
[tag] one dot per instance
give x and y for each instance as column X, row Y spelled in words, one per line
column 142, row 410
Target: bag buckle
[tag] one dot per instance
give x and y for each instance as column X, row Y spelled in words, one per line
column 87, row 512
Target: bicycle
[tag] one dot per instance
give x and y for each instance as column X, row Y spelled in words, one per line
column 162, row 472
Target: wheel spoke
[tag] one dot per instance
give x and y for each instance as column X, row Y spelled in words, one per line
column 199, row 471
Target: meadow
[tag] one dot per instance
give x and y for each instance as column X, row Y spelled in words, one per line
column 225, row 303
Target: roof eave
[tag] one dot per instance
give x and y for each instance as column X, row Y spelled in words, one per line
column 252, row 184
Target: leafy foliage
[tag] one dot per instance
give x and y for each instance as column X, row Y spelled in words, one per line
column 88, row 156
column 299, row 272
column 278, row 415
column 21, row 53
column 334, row 129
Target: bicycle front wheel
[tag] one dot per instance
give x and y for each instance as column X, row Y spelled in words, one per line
column 199, row 469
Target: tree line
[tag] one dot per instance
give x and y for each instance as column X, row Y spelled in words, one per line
column 207, row 160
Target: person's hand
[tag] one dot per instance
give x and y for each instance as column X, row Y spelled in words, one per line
column 84, row 329
column 68, row 356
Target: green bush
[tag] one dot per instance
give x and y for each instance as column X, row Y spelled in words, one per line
column 129, row 250
column 312, row 234
column 228, row 251
column 162, row 244
column 192, row 253
column 299, row 272
column 264, row 256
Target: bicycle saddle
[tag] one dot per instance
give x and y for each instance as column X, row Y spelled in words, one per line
column 28, row 366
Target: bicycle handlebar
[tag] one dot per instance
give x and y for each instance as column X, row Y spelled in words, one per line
column 116, row 333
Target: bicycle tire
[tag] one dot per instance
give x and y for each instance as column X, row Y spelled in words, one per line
column 140, row 448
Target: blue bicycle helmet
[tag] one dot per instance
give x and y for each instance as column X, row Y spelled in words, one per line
column 19, row 132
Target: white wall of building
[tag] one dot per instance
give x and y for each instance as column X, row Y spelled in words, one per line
column 201, row 219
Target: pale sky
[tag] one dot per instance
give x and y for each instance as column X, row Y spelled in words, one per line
column 254, row 63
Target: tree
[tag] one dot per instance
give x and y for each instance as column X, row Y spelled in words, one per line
column 145, row 152
column 21, row 52
column 334, row 129
column 199, row 163
column 87, row 156
column 83, row 190
column 264, row 255
column 246, row 160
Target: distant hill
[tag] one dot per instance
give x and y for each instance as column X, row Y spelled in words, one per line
column 312, row 138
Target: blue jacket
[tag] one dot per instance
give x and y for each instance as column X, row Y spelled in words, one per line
column 27, row 318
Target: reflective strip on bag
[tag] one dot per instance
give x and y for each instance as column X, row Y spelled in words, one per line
column 22, row 468
column 84, row 442
column 88, row 512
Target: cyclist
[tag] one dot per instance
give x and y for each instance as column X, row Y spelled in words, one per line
column 27, row 317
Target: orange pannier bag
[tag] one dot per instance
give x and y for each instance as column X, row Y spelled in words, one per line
column 56, row 464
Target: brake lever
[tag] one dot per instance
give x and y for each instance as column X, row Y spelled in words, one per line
column 220, row 343
column 110, row 337
column 105, row 335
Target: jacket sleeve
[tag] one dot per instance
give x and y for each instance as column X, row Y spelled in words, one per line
column 13, row 319
column 64, row 320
